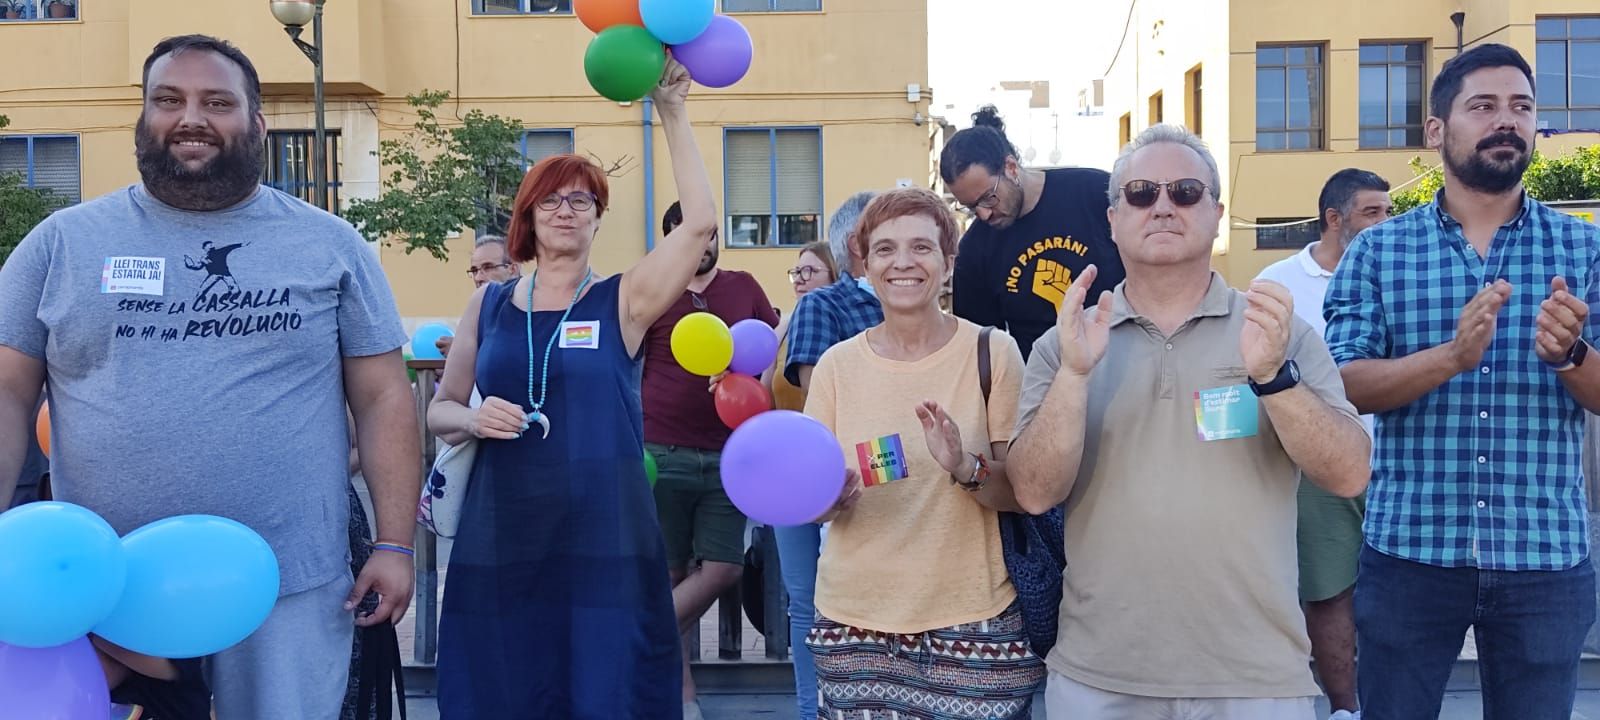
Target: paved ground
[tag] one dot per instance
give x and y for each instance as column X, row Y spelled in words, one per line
column 1457, row 706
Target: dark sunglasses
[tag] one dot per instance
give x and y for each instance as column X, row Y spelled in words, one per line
column 1144, row 193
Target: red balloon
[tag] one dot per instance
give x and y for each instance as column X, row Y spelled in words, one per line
column 741, row 397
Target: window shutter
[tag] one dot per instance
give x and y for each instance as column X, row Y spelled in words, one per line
column 799, row 172
column 749, row 172
column 542, row 144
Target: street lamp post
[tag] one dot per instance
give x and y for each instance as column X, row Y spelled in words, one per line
column 294, row 14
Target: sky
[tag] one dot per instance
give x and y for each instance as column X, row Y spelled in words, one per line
column 973, row 46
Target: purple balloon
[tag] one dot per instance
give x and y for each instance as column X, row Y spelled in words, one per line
column 720, row 56
column 64, row 682
column 755, row 346
column 783, row 468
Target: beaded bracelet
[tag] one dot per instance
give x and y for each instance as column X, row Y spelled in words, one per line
column 395, row 547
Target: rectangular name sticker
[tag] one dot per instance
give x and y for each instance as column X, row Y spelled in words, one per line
column 583, row 334
column 134, row 275
column 1226, row 413
column 882, row 461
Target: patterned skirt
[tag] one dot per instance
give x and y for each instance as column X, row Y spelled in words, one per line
column 978, row 670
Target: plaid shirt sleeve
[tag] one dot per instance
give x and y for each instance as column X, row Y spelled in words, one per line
column 812, row 330
column 1357, row 329
column 1591, row 297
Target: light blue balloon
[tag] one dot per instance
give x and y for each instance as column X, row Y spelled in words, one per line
column 422, row 343
column 675, row 22
column 197, row 585
column 61, row 571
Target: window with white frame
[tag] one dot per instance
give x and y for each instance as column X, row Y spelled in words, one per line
column 772, row 186
column 47, row 162
column 38, row 10
column 771, row 5
column 1567, row 63
column 522, row 7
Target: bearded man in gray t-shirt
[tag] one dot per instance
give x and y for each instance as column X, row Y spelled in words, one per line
column 200, row 337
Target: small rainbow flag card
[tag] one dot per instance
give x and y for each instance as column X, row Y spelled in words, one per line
column 882, row 460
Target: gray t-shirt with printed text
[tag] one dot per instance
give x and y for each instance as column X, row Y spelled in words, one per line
column 194, row 362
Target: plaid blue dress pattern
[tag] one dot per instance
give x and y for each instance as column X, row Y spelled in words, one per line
column 1485, row 470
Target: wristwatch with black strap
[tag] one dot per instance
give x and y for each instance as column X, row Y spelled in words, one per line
column 1288, row 377
column 1574, row 359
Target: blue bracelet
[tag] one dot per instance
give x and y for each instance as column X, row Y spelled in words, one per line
column 394, row 547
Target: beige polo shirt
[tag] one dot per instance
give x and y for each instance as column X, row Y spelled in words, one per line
column 1182, row 575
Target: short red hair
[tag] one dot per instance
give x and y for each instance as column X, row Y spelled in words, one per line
column 901, row 203
column 544, row 178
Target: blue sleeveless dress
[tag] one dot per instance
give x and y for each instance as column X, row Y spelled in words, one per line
column 557, row 602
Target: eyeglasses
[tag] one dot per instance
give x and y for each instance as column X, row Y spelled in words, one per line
column 491, row 267
column 803, row 273
column 1144, row 193
column 697, row 300
column 579, row 201
column 986, row 200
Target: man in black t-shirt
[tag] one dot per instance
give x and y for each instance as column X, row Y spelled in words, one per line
column 1037, row 230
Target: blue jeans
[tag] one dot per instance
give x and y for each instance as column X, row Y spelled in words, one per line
column 798, row 548
column 1411, row 619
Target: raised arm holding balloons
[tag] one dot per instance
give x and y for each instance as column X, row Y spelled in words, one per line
column 559, row 602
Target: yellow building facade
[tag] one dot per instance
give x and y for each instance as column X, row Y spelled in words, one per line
column 1287, row 92
column 836, row 102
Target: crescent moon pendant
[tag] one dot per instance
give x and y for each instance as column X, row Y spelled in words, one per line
column 544, row 424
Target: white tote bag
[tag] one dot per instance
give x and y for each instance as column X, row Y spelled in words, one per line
column 444, row 493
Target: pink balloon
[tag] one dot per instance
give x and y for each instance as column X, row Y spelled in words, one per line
column 720, row 56
column 55, row 683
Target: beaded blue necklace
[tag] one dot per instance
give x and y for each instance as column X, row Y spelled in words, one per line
column 537, row 415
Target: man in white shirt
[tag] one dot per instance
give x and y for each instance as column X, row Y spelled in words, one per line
column 1329, row 531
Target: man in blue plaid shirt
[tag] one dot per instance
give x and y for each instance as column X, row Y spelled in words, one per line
column 1462, row 325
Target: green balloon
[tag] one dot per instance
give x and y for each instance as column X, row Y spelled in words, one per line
column 624, row 62
column 650, row 470
column 412, row 374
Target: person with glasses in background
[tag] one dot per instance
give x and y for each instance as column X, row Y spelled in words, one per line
column 704, row 532
column 1038, row 230
column 1174, row 420
column 813, row 270
column 490, row 264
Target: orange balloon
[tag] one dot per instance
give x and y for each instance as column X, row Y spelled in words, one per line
column 42, row 427
column 598, row 15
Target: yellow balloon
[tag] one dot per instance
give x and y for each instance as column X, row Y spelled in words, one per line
column 702, row 344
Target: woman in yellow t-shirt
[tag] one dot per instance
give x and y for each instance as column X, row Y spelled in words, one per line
column 916, row 614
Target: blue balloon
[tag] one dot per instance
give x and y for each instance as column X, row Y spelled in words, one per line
column 422, row 343
column 675, row 22
column 62, row 570
column 197, row 585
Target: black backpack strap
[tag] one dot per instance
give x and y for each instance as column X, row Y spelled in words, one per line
column 381, row 674
column 984, row 361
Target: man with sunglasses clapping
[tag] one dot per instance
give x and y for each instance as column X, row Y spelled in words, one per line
column 1172, row 420
column 1035, row 231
